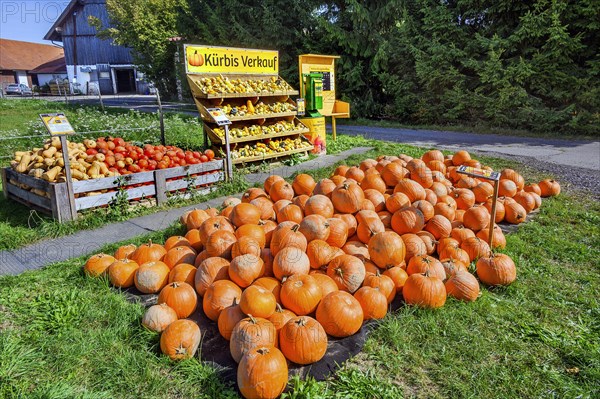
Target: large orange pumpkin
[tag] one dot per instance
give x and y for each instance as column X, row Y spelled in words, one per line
column 347, row 271
column 549, row 188
column 228, row 318
column 301, row 294
column 497, row 269
column 180, row 339
column 340, row 314
column 158, row 317
column 262, row 373
column 219, row 243
column 245, row 214
column 210, row 270
column 183, row 273
column 347, row 198
column 285, row 235
column 463, row 285
column 151, row 277
column 424, row 291
column 148, row 252
column 289, row 261
column 303, row 340
column 181, row 297
column 218, row 296
column 251, row 333
column 258, row 302
column 97, row 265
column 121, row 273
column 178, row 255
column 386, row 249
column 303, row 184
column 244, row 269
column 372, row 301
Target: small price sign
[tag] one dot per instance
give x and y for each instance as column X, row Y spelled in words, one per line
column 480, row 173
column 218, row 116
column 300, row 107
column 57, row 124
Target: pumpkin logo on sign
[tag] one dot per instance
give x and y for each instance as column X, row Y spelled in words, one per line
column 196, row 59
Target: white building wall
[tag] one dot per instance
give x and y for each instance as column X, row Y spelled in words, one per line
column 83, row 78
column 44, row 78
column 22, row 77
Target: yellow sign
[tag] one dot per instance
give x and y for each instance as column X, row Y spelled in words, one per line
column 481, row 173
column 57, row 124
column 208, row 59
column 317, row 134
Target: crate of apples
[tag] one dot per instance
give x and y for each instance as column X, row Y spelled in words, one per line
column 125, row 158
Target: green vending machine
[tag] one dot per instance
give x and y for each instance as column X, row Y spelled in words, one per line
column 313, row 93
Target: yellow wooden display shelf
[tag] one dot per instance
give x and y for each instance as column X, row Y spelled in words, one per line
column 244, row 95
column 274, row 155
column 206, row 117
column 215, row 139
column 199, row 94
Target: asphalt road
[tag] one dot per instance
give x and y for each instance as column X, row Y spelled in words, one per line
column 579, row 154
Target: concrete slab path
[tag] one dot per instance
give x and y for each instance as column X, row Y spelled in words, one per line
column 86, row 242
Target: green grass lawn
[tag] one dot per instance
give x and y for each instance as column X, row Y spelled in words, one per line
column 20, row 225
column 538, row 338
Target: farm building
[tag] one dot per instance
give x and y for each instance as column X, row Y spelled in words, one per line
column 94, row 63
column 32, row 64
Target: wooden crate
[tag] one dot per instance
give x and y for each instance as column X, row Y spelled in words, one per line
column 160, row 184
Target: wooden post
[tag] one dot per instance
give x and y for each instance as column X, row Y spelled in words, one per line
column 204, row 133
column 161, row 119
column 333, row 129
column 160, row 182
column 4, row 180
column 493, row 216
column 70, row 193
column 100, row 97
column 228, row 154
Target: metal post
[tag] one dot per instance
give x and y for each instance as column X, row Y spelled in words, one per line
column 177, row 77
column 161, row 119
column 70, row 193
column 228, row 154
column 493, row 217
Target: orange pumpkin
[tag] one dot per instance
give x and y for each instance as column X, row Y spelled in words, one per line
column 262, row 373
column 228, row 318
column 181, row 297
column 303, row 340
column 463, row 285
column 218, row 296
column 340, row 314
column 180, row 339
column 258, row 301
column 151, row 277
column 347, row 271
column 158, row 317
column 303, row 184
column 424, row 291
column 97, row 265
column 251, row 333
column 244, row 269
column 301, row 294
column 121, row 273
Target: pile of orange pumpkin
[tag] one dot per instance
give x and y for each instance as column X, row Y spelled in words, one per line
column 290, row 264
